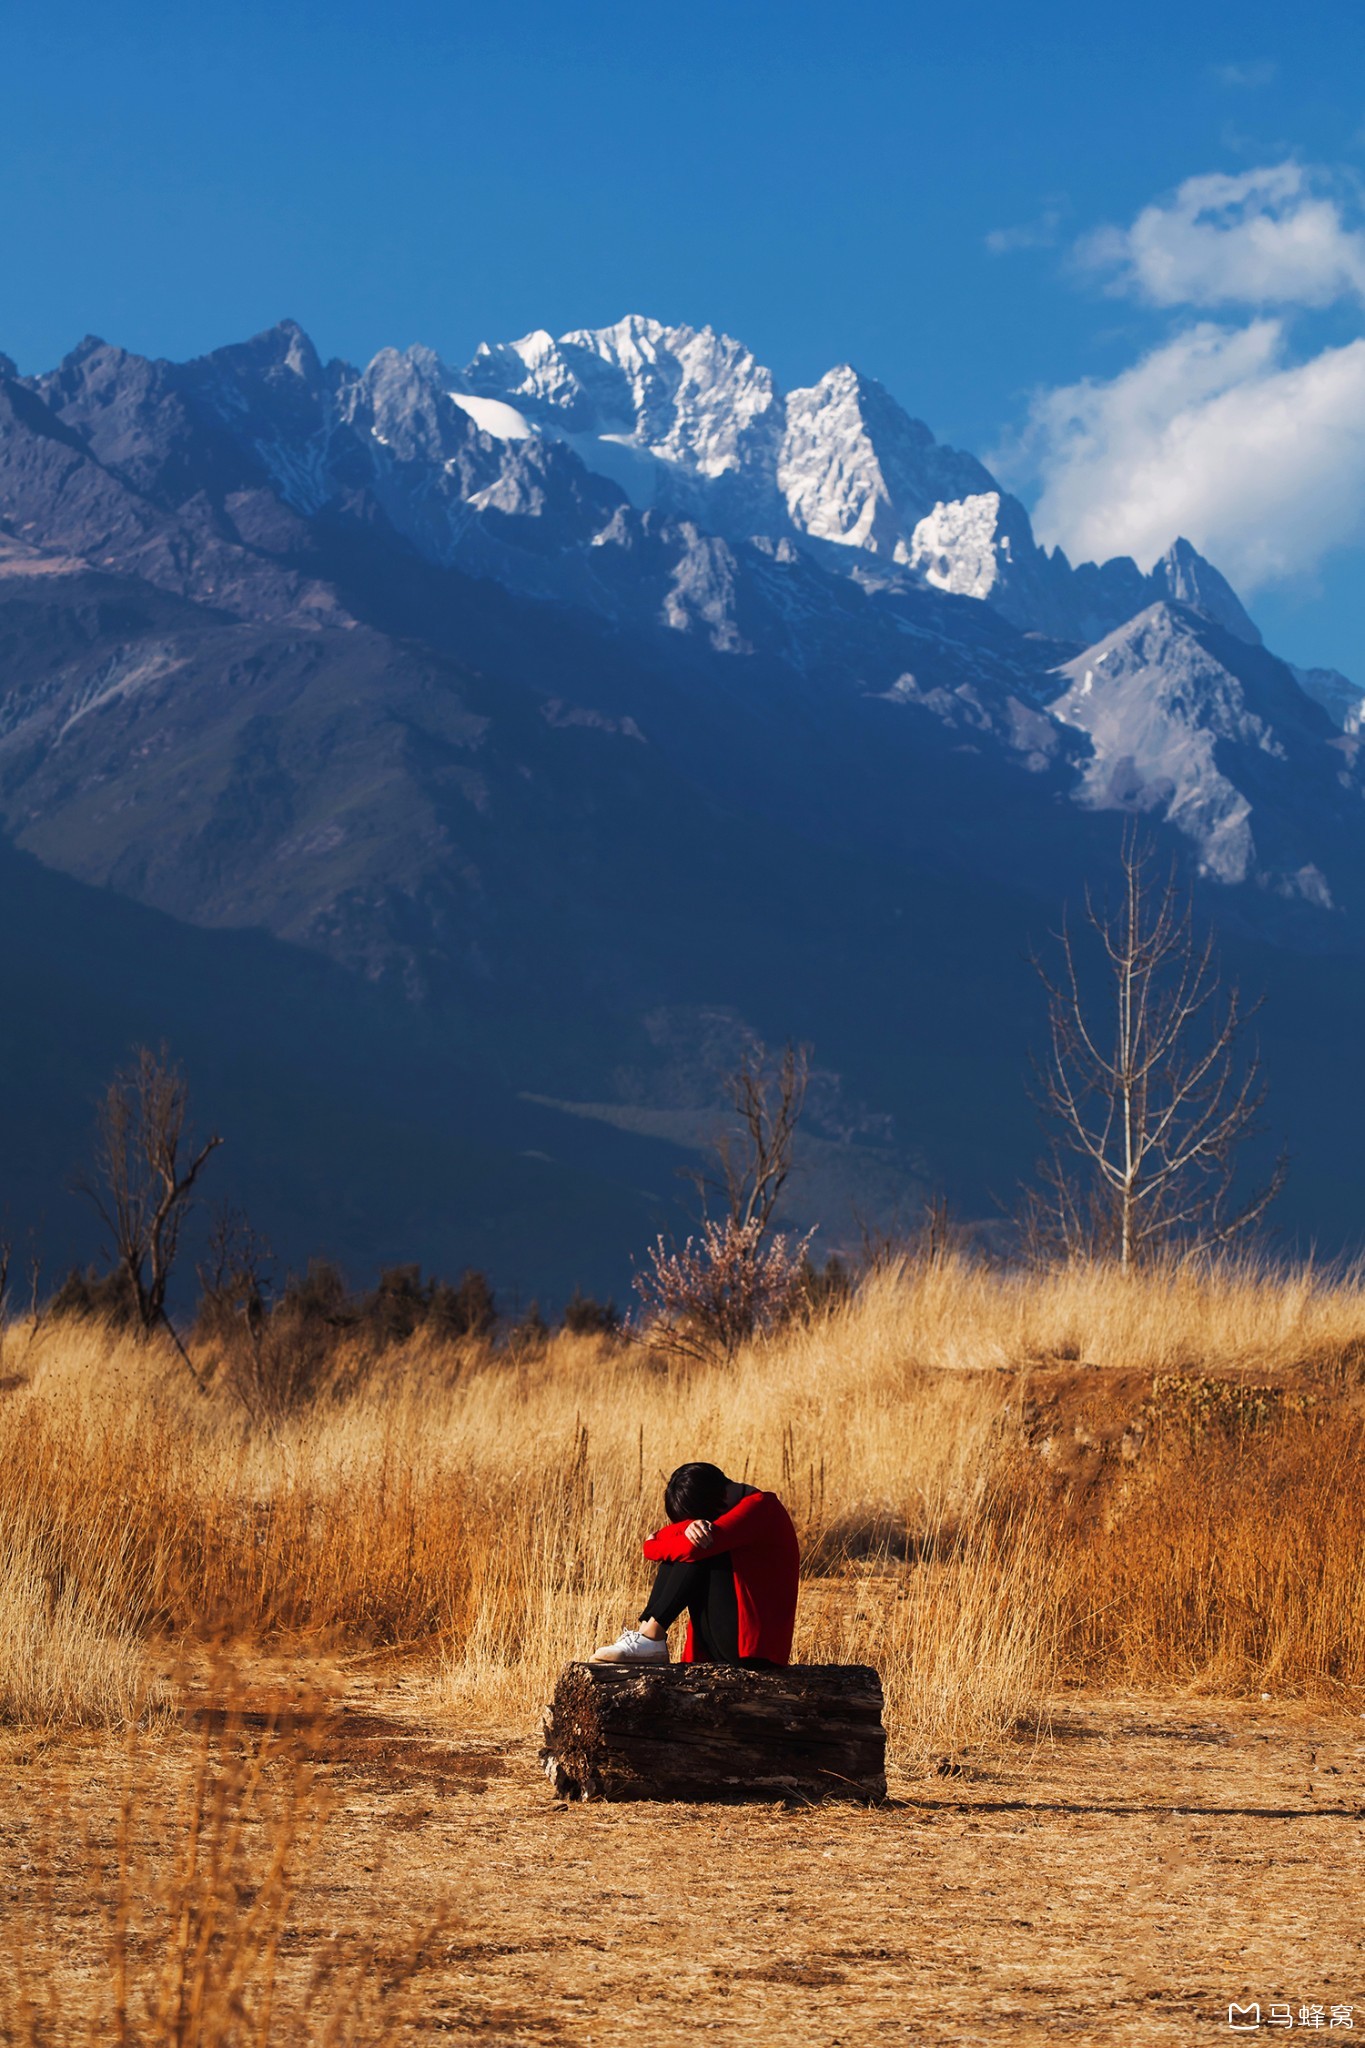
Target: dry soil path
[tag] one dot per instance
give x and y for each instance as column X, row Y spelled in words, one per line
column 1125, row 1877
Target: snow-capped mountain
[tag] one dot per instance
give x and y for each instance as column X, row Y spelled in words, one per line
column 654, row 408
column 606, row 667
column 690, row 423
column 658, row 477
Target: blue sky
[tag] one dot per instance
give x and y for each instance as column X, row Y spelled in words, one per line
column 989, row 208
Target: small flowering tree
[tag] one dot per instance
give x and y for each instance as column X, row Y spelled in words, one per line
column 721, row 1288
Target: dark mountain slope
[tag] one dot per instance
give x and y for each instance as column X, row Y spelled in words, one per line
column 350, row 1130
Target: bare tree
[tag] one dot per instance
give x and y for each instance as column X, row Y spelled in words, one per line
column 930, row 1241
column 754, row 1155
column 145, row 1168
column 1148, row 1087
column 234, row 1306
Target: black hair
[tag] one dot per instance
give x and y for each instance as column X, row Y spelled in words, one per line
column 695, row 1493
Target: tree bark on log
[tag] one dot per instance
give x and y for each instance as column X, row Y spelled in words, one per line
column 716, row 1732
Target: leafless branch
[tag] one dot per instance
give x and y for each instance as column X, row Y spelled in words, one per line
column 754, row 1155
column 1148, row 1087
column 143, row 1176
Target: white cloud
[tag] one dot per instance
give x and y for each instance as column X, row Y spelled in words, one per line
column 1217, row 435
column 1267, row 237
column 1042, row 233
column 1246, row 77
column 1224, row 433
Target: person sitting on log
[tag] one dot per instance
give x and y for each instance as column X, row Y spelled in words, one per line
column 728, row 1557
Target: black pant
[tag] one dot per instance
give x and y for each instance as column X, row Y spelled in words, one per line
column 706, row 1588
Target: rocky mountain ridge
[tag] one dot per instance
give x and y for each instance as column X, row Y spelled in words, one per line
column 651, row 476
column 690, row 421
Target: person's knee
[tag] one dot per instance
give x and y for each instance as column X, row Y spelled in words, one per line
column 690, row 1576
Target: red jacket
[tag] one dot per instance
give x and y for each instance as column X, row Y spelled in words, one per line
column 761, row 1541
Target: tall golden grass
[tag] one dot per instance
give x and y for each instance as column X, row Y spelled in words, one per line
column 184, row 1927
column 489, row 1509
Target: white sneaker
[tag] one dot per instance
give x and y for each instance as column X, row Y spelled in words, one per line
column 631, row 1647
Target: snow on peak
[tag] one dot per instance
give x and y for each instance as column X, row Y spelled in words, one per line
column 827, row 468
column 686, row 421
column 982, row 546
column 855, row 469
column 684, row 396
column 956, row 547
column 533, row 347
column 492, row 416
column 689, row 419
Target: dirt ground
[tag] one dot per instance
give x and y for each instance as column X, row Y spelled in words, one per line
column 1121, row 1876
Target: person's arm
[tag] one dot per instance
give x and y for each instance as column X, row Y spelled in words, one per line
column 749, row 1521
column 671, row 1545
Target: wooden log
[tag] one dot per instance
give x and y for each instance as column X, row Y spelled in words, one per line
column 716, row 1732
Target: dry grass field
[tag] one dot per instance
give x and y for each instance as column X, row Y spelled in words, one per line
column 270, row 1695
